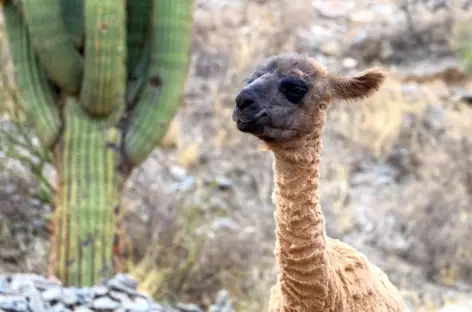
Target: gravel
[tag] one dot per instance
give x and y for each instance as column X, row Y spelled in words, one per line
column 35, row 293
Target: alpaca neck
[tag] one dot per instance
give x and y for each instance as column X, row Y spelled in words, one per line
column 301, row 246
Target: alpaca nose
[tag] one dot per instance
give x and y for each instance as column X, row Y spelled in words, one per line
column 245, row 99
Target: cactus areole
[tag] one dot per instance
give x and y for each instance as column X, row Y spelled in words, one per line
column 100, row 81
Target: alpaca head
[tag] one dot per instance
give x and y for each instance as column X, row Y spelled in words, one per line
column 286, row 98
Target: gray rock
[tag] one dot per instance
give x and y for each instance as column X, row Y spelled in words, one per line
column 117, row 285
column 105, row 303
column 83, row 309
column 224, row 224
column 58, row 307
column 3, row 284
column 177, row 172
column 224, row 183
column 121, row 297
column 35, row 303
column 223, row 303
column 51, row 294
column 156, row 308
column 13, row 303
column 349, row 62
column 30, row 293
column 98, row 291
column 69, row 297
column 188, row 307
column 127, row 280
column 84, row 295
column 42, row 283
column 141, row 304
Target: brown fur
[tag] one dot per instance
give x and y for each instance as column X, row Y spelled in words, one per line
column 317, row 273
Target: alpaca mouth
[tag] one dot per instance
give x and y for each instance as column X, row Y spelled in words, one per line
column 250, row 127
column 248, row 117
column 252, row 123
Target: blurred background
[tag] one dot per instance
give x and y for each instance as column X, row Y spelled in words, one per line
column 396, row 168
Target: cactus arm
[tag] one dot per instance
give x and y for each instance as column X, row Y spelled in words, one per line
column 73, row 15
column 172, row 21
column 88, row 195
column 138, row 34
column 52, row 43
column 105, row 57
column 35, row 95
column 138, row 30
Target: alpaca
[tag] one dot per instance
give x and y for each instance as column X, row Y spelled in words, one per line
column 284, row 104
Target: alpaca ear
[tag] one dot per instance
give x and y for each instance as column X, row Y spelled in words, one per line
column 358, row 87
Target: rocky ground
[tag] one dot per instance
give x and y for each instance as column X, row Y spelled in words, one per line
column 34, row 293
column 396, row 176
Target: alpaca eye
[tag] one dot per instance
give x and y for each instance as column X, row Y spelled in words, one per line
column 294, row 89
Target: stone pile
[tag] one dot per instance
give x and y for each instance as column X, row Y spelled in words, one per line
column 34, row 293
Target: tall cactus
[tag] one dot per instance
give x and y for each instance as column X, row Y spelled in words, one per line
column 99, row 81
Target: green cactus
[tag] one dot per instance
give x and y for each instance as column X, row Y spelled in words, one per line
column 100, row 81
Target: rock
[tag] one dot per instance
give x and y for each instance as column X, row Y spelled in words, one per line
column 121, row 297
column 35, row 301
column 223, row 183
column 105, row 303
column 42, row 283
column 51, row 294
column 188, row 307
column 58, row 307
column 69, row 297
column 84, row 295
column 224, row 224
column 98, row 291
column 14, row 303
column 156, row 307
column 349, row 62
column 178, row 172
column 127, row 280
column 223, row 303
column 139, row 304
column 185, row 185
column 30, row 293
column 82, row 309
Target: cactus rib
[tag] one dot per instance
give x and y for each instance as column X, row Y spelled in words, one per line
column 73, row 16
column 52, row 43
column 87, row 199
column 159, row 101
column 105, row 56
column 138, row 30
column 35, row 95
column 138, row 77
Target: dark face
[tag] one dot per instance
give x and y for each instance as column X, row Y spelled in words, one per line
column 286, row 98
column 277, row 102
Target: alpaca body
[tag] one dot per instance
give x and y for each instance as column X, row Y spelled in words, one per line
column 318, row 273
column 285, row 105
column 356, row 285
